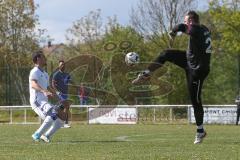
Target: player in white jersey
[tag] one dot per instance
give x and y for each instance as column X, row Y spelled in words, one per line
column 39, row 94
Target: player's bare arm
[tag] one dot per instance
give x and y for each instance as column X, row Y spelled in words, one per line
column 37, row 87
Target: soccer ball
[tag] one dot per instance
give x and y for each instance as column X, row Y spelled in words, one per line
column 132, row 58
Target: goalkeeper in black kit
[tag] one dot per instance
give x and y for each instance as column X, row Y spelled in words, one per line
column 195, row 61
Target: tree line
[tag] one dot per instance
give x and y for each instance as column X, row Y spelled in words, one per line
column 108, row 42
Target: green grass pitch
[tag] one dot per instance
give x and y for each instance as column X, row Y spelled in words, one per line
column 121, row 142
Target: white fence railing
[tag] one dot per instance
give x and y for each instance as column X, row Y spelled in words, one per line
column 25, row 109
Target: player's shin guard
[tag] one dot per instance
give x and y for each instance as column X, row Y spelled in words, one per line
column 45, row 125
column 56, row 125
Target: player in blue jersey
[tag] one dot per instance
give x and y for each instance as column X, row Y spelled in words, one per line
column 60, row 81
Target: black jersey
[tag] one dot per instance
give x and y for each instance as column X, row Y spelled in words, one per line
column 199, row 45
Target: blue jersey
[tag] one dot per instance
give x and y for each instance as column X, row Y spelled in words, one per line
column 61, row 80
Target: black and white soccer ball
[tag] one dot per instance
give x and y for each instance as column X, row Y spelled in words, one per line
column 132, row 58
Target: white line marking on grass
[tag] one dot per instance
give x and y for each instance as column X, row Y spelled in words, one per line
column 126, row 138
column 122, row 138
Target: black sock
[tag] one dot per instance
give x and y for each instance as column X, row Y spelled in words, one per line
column 200, row 130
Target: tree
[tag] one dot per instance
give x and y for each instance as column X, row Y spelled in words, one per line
column 226, row 15
column 17, row 39
column 154, row 18
column 87, row 30
column 105, row 40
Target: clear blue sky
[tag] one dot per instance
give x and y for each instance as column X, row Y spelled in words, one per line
column 58, row 15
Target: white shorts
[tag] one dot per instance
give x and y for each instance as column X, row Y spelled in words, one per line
column 44, row 110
